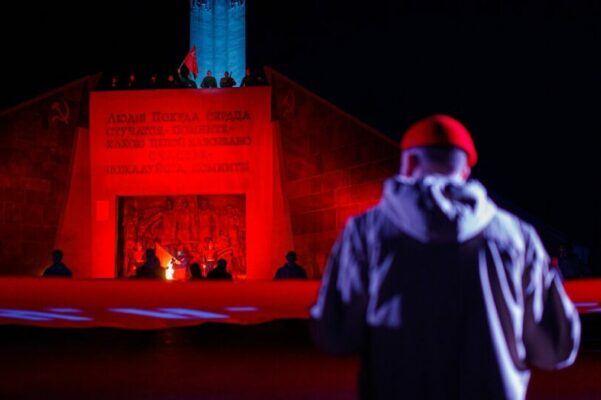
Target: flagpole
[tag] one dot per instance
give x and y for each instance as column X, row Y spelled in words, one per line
column 180, row 66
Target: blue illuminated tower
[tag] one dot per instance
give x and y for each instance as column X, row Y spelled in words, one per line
column 218, row 30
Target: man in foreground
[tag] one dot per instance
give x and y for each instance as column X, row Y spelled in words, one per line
column 443, row 294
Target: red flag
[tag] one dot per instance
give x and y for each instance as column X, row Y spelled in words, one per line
column 191, row 63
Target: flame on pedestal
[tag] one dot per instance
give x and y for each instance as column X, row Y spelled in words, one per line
column 169, row 271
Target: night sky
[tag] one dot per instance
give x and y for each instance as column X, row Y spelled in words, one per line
column 524, row 76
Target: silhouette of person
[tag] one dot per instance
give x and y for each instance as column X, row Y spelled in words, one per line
column 153, row 81
column 151, row 269
column 220, row 271
column 184, row 78
column 170, row 83
column 208, row 81
column 290, row 270
column 114, row 82
column 249, row 79
column 57, row 268
column 132, row 83
column 441, row 292
column 227, row 81
column 195, row 272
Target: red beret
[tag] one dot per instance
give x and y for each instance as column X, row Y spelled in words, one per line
column 440, row 130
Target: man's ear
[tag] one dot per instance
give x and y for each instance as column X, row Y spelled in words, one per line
column 409, row 164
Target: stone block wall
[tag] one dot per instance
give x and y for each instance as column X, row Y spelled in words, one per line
column 333, row 167
column 36, row 151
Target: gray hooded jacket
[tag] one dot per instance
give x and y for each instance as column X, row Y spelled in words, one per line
column 443, row 295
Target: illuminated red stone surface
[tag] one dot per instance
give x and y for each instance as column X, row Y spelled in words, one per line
column 303, row 165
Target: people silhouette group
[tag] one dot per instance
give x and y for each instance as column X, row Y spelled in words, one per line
column 151, row 268
column 179, row 78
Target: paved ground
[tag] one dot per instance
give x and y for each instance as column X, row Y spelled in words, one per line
column 268, row 361
column 275, row 360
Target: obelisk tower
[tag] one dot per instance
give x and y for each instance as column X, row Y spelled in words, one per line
column 218, row 30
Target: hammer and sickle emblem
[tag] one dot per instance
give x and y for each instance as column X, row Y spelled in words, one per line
column 60, row 112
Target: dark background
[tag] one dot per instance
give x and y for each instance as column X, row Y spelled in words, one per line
column 524, row 76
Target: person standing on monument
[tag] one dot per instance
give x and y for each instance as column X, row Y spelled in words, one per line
column 170, row 83
column 442, row 293
column 132, row 82
column 227, row 81
column 248, row 79
column 153, row 81
column 209, row 81
column 114, row 82
column 183, row 74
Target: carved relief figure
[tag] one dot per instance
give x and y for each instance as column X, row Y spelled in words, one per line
column 190, row 229
column 207, row 219
column 185, row 224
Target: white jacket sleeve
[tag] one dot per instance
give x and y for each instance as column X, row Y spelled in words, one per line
column 551, row 322
column 338, row 317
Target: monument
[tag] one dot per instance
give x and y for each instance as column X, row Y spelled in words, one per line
column 244, row 174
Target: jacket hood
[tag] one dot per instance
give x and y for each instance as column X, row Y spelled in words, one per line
column 437, row 209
